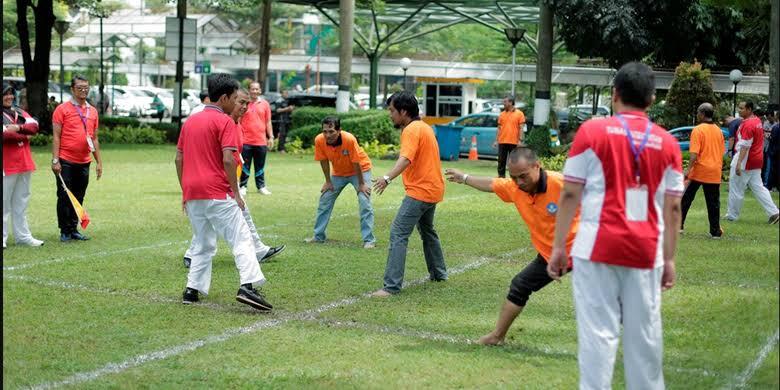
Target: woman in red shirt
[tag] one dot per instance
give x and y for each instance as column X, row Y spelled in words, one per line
column 18, row 166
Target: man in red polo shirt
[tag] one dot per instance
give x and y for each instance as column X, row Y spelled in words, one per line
column 258, row 136
column 75, row 136
column 626, row 173
column 206, row 167
column 746, row 167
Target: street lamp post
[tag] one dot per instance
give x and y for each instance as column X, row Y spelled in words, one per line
column 735, row 76
column 514, row 35
column 61, row 26
column 405, row 63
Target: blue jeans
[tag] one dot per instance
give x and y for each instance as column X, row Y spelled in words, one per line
column 413, row 212
column 257, row 154
column 328, row 199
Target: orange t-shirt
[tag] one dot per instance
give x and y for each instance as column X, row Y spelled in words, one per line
column 343, row 156
column 73, row 137
column 707, row 142
column 510, row 124
column 255, row 122
column 539, row 210
column 422, row 178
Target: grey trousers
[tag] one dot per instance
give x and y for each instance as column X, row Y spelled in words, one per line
column 413, row 212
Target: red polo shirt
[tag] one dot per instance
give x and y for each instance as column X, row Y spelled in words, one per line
column 16, row 147
column 78, row 122
column 255, row 122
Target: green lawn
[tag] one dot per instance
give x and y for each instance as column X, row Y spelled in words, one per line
column 106, row 313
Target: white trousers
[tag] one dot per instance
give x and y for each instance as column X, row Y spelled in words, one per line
column 210, row 218
column 260, row 248
column 604, row 297
column 16, row 196
column 737, row 186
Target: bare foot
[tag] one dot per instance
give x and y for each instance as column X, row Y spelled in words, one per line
column 381, row 293
column 490, row 339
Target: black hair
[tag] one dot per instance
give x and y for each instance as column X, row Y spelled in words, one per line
column 221, row 84
column 203, row 95
column 77, row 77
column 511, row 98
column 706, row 110
column 522, row 152
column 405, row 101
column 749, row 104
column 332, row 121
column 635, row 84
column 8, row 87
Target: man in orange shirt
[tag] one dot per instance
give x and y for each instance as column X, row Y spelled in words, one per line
column 421, row 168
column 707, row 149
column 258, row 136
column 509, row 133
column 351, row 165
column 535, row 193
column 75, row 136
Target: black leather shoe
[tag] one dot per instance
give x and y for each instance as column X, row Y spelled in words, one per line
column 64, row 237
column 249, row 296
column 187, row 262
column 78, row 236
column 273, row 251
column 190, row 296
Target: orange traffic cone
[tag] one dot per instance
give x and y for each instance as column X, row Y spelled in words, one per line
column 473, row 151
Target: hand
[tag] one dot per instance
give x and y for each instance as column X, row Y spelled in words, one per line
column 99, row 170
column 240, row 202
column 454, row 175
column 379, row 185
column 669, row 275
column 365, row 188
column 495, row 145
column 328, row 186
column 556, row 267
column 12, row 128
column 739, row 171
column 271, row 143
column 56, row 168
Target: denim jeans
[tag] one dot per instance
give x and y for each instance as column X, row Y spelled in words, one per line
column 413, row 212
column 257, row 154
column 328, row 199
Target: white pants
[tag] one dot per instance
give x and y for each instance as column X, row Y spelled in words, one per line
column 16, row 196
column 737, row 186
column 604, row 297
column 260, row 248
column 209, row 218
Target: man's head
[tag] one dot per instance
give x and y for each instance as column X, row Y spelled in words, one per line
column 255, row 90
column 285, row 93
column 746, row 109
column 403, row 108
column 705, row 112
column 509, row 102
column 9, row 94
column 524, row 169
column 331, row 128
column 242, row 100
column 79, row 87
column 204, row 97
column 223, row 91
column 633, row 87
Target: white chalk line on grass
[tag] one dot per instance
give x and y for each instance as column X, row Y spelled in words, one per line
column 115, row 368
column 91, row 255
column 743, row 378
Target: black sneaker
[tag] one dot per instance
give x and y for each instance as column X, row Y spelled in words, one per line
column 249, row 296
column 273, row 251
column 190, row 296
column 187, row 262
column 78, row 236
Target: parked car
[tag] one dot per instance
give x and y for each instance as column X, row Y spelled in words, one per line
column 683, row 135
column 53, row 89
column 166, row 95
column 145, row 99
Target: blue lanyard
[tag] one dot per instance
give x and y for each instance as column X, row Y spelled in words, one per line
column 634, row 149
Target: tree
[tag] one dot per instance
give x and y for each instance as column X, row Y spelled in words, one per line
column 36, row 68
column 691, row 87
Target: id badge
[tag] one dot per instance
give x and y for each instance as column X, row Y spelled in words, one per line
column 636, row 204
column 91, row 144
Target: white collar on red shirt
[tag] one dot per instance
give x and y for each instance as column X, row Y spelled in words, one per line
column 75, row 103
column 213, row 107
column 639, row 114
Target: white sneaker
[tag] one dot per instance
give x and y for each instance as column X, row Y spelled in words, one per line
column 264, row 191
column 369, row 245
column 31, row 242
column 242, row 191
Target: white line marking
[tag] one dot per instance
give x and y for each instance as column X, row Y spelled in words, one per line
column 90, row 255
column 745, row 376
column 114, row 368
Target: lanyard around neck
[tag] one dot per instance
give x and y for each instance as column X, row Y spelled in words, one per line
column 636, row 151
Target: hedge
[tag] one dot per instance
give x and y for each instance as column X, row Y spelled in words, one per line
column 117, row 135
column 307, row 116
column 365, row 128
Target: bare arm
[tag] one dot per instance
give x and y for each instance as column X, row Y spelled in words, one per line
column 743, row 153
column 179, row 165
column 96, row 153
column 229, row 164
column 55, row 147
column 482, row 183
column 694, row 157
column 571, row 195
column 398, row 168
column 672, row 221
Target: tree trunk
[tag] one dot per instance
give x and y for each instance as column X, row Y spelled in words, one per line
column 36, row 70
column 264, row 43
column 774, row 55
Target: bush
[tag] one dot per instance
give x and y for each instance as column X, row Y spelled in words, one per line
column 365, row 128
column 132, row 135
column 691, row 87
column 538, row 139
column 374, row 149
column 117, row 121
column 307, row 116
column 40, row 140
column 553, row 163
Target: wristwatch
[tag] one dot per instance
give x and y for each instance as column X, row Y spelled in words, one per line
column 387, row 179
column 55, row 161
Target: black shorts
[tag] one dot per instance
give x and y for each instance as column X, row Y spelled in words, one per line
column 532, row 278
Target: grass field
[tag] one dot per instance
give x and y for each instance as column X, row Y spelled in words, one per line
column 106, row 313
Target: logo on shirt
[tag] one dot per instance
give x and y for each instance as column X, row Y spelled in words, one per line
column 552, row 208
column 345, row 152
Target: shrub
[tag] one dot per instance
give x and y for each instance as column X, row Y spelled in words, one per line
column 132, row 135
column 691, row 87
column 538, row 139
column 365, row 128
column 307, row 116
column 40, row 140
column 296, row 147
column 374, row 149
column 117, row 121
column 553, row 163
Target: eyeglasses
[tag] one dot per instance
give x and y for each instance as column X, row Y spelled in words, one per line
column 82, row 89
